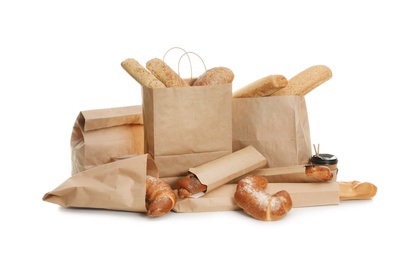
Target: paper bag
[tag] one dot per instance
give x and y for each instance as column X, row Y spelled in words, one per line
column 119, row 185
column 278, row 127
column 302, row 194
column 100, row 135
column 187, row 126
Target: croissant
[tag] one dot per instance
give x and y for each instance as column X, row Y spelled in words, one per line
column 251, row 196
column 159, row 198
column 320, row 172
column 189, row 185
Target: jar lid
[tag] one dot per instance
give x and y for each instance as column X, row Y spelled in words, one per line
column 324, row 158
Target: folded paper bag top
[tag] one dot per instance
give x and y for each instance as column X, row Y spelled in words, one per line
column 224, row 169
column 119, row 185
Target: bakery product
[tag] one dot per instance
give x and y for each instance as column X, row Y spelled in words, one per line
column 319, row 172
column 305, row 81
column 215, row 76
column 251, row 196
column 165, row 73
column 356, row 190
column 160, row 198
column 141, row 74
column 263, row 87
column 189, row 185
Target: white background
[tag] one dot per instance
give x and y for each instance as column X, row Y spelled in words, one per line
column 60, row 57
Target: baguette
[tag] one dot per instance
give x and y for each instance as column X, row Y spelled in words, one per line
column 215, row 76
column 165, row 73
column 306, row 81
column 355, row 190
column 141, row 74
column 262, row 87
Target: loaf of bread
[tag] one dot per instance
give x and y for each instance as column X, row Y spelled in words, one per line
column 141, row 74
column 160, row 198
column 189, row 185
column 263, row 87
column 215, row 76
column 319, row 172
column 251, row 196
column 306, row 81
column 355, row 190
column 165, row 73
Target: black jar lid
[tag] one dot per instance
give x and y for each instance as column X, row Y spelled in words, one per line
column 324, row 158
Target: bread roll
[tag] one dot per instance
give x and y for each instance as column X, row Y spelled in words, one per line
column 262, row 87
column 319, row 172
column 215, row 76
column 189, row 185
column 306, row 81
column 251, row 196
column 355, row 190
column 160, row 198
column 141, row 74
column 165, row 73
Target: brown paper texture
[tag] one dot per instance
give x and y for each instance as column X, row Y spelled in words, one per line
column 100, row 135
column 187, row 126
column 220, row 171
column 286, row 174
column 278, row 127
column 302, row 194
column 119, row 185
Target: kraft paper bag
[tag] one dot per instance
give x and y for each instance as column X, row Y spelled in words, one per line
column 100, row 135
column 278, row 127
column 186, row 126
column 119, row 185
column 302, row 194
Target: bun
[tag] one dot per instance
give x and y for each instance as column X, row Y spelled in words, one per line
column 215, row 76
column 141, row 74
column 355, row 190
column 160, row 198
column 189, row 185
column 306, row 81
column 262, row 87
column 251, row 196
column 165, row 73
column 319, row 172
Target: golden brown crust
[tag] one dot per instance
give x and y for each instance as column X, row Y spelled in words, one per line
column 320, row 172
column 305, row 81
column 189, row 185
column 355, row 190
column 141, row 74
column 251, row 196
column 160, row 198
column 263, row 87
column 215, row 76
column 165, row 73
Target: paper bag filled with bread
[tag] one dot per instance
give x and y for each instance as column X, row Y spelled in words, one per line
column 187, row 122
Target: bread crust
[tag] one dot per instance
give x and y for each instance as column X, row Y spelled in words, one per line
column 263, row 87
column 165, row 73
column 215, row 76
column 160, row 198
column 141, row 74
column 251, row 196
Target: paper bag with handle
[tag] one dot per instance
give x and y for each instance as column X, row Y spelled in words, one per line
column 186, row 122
column 271, row 115
column 100, row 135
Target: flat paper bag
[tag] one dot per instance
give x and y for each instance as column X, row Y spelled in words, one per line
column 220, row 171
column 302, row 194
column 100, row 135
column 119, row 185
column 187, row 126
column 277, row 127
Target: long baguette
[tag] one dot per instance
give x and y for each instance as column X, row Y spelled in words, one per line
column 306, row 81
column 140, row 74
column 263, row 87
column 165, row 73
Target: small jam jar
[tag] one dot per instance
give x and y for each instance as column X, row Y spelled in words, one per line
column 329, row 160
